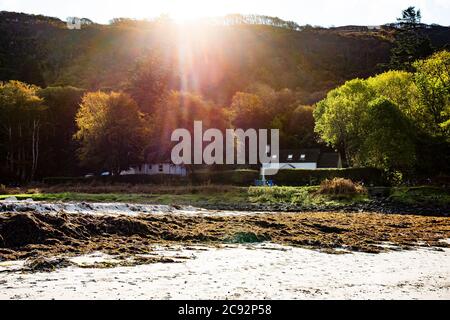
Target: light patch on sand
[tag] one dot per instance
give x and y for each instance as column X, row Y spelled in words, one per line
column 263, row 271
column 93, row 258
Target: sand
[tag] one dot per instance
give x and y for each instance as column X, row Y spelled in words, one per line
column 258, row 271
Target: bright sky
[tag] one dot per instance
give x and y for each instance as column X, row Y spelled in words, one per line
column 314, row 12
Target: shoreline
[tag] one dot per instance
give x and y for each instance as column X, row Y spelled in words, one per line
column 384, row 206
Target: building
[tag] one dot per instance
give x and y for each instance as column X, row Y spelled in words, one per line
column 158, row 168
column 307, row 159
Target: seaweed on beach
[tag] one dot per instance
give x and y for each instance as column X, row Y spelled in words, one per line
column 29, row 234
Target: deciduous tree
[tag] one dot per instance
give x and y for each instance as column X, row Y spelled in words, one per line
column 21, row 114
column 388, row 142
column 340, row 117
column 111, row 131
column 433, row 81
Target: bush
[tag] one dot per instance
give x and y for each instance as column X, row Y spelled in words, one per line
column 128, row 179
column 65, row 180
column 231, row 177
column 296, row 177
column 367, row 176
column 340, row 186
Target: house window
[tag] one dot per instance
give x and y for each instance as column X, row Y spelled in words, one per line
column 303, row 157
column 161, row 168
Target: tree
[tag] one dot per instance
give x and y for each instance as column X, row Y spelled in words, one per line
column 296, row 128
column 21, row 114
column 179, row 110
column 410, row 18
column 248, row 111
column 301, row 126
column 432, row 78
column 400, row 88
column 372, row 130
column 388, row 142
column 59, row 148
column 410, row 42
column 340, row 117
column 148, row 83
column 111, row 130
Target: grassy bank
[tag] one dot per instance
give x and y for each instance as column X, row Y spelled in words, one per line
column 187, row 195
column 421, row 196
column 223, row 195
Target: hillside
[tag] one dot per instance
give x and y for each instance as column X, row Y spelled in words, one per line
column 215, row 60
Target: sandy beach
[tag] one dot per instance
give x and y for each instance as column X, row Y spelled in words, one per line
column 128, row 251
column 261, row 271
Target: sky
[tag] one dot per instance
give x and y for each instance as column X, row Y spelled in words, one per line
column 315, row 12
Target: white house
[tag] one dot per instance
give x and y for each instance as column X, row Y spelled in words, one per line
column 154, row 169
column 307, row 159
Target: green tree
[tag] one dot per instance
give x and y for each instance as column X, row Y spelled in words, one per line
column 21, row 114
column 410, row 19
column 388, row 142
column 410, row 42
column 340, row 117
column 400, row 88
column 111, row 130
column 296, row 128
column 432, row 78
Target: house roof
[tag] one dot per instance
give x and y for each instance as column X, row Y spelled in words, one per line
column 299, row 155
column 323, row 160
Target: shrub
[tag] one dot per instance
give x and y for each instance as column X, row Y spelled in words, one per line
column 8, row 190
column 65, row 180
column 230, row 177
column 129, row 179
column 368, row 176
column 298, row 177
column 340, row 186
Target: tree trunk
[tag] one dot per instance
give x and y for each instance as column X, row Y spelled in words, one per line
column 34, row 148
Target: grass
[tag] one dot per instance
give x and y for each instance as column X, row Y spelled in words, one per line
column 422, row 195
column 224, row 195
column 198, row 196
column 120, row 197
column 340, row 186
column 307, row 196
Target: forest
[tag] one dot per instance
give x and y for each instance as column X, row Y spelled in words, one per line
column 106, row 97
